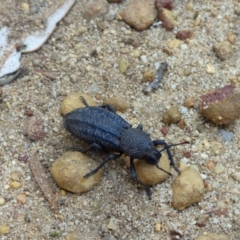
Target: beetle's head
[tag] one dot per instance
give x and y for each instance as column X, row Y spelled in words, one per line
column 153, row 156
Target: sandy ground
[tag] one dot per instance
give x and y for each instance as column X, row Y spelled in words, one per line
column 116, row 199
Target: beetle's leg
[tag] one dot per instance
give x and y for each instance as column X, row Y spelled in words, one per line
column 84, row 101
column 110, row 157
column 169, row 153
column 134, row 176
column 94, row 146
column 140, row 127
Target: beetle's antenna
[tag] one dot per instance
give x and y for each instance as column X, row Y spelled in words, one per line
column 163, row 170
column 172, row 145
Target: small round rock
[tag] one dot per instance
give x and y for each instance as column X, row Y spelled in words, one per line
column 188, row 189
column 22, row 198
column 73, row 101
column 223, row 50
column 221, row 106
column 68, row 171
column 172, row 115
column 118, row 103
column 150, row 174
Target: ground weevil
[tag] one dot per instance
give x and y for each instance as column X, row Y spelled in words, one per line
column 106, row 131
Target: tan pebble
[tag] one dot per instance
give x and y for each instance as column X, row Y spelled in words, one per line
column 189, row 6
column 68, row 171
column 6, row 186
column 219, row 169
column 182, row 167
column 210, row 69
column 88, row 68
column 2, row 201
column 187, row 71
column 128, row 32
column 181, row 124
column 212, row 236
column 22, row 198
column 220, row 204
column 15, row 184
column 25, row 6
column 167, row 18
column 81, row 30
column 231, row 37
column 210, row 165
column 73, row 101
column 15, row 176
column 147, row 76
column 216, row 146
column 197, row 22
column 139, row 14
column 63, row 193
column 172, row 115
column 137, row 53
column 158, row 227
column 201, row 222
column 223, row 50
column 149, row 173
column 221, row 106
column 4, row 229
column 236, row 176
column 123, row 65
column 118, row 103
column 189, row 102
column 174, row 43
column 112, row 224
column 188, row 189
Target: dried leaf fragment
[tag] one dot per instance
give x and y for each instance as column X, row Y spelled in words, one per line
column 42, row 181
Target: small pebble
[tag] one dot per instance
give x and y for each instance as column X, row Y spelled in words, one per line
column 189, row 102
column 174, row 43
column 223, row 50
column 167, row 18
column 168, row 4
column 34, row 128
column 22, row 198
column 4, row 229
column 210, row 69
column 172, row 115
column 227, row 135
column 118, row 103
column 14, row 176
column 123, row 65
column 15, row 185
column 147, row 77
column 2, row 201
column 158, row 227
column 231, row 37
column 112, row 225
column 73, row 101
column 219, row 169
column 210, row 165
column 63, row 193
column 144, row 59
column 69, row 169
column 139, row 14
column 188, row 189
column 236, row 176
column 184, row 34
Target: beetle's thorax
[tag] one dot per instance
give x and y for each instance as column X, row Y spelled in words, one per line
column 137, row 144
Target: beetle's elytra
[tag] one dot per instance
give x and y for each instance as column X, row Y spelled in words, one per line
column 106, row 131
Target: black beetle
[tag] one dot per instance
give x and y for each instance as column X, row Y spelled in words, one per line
column 106, row 131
